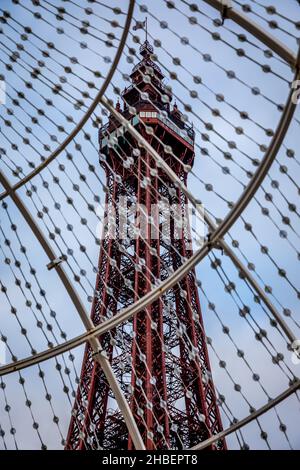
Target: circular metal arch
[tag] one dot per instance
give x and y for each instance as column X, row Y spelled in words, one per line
column 216, row 235
column 256, row 414
column 255, row 29
column 154, row 294
column 88, row 113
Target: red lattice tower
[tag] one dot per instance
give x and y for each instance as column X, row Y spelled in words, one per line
column 160, row 357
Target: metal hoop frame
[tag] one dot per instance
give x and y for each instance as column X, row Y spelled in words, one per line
column 89, row 112
column 216, row 236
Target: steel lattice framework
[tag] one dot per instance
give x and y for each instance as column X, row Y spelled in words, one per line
column 151, row 378
column 189, row 404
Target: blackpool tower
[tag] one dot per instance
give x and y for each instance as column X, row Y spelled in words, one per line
column 160, row 356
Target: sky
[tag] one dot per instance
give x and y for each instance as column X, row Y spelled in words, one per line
column 213, row 174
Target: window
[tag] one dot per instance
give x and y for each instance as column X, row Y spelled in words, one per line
column 148, row 114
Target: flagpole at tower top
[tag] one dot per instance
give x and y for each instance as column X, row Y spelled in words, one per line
column 146, row 28
column 142, row 25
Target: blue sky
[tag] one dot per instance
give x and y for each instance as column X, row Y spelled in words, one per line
column 210, row 169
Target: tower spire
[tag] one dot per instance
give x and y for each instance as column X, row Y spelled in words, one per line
column 146, row 28
column 159, row 356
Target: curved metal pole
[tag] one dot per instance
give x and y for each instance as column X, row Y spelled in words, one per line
column 263, row 168
column 99, row 354
column 90, row 110
column 254, row 28
column 218, row 232
column 268, row 39
column 241, row 267
column 153, row 295
column 287, row 55
column 292, row 389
